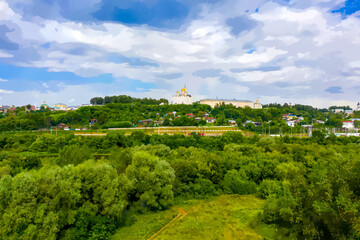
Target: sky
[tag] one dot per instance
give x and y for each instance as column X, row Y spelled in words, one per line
column 277, row 51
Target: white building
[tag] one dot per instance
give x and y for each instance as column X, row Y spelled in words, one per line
column 237, row 103
column 338, row 110
column 291, row 123
column 348, row 124
column 349, row 112
column 358, row 107
column 182, row 97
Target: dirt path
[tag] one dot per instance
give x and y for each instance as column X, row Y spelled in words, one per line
column 181, row 215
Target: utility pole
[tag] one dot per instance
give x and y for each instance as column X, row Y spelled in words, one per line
column 269, row 130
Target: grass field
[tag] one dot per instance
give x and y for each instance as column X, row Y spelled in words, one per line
column 225, row 217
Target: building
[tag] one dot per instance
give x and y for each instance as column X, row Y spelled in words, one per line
column 358, row 107
column 182, row 97
column 338, row 110
column 44, row 105
column 237, row 103
column 232, row 122
column 291, row 123
column 210, row 120
column 61, row 106
column 348, row 124
column 349, row 112
column 72, row 108
column 31, row 107
column 62, row 126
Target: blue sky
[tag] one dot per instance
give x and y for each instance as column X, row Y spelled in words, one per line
column 298, row 51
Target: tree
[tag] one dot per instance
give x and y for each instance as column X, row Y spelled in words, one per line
column 73, row 154
column 152, row 179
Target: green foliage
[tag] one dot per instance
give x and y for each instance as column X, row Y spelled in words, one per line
column 309, row 185
column 152, row 179
column 123, row 124
column 73, row 154
column 203, row 188
column 51, row 203
column 236, row 182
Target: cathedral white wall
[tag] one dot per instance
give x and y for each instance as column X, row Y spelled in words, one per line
column 182, row 100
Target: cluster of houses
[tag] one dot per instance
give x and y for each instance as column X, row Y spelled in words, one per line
column 53, row 107
column 5, row 109
column 292, row 120
column 205, row 116
column 60, row 107
column 67, row 128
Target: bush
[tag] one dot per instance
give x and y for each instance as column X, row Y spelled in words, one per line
column 203, row 188
column 270, row 187
column 73, row 154
column 237, row 182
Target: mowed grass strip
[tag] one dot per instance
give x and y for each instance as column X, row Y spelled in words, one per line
column 224, row 217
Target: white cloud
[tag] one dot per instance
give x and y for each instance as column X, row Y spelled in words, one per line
column 5, row 10
column 3, row 80
column 2, row 91
column 257, row 58
column 5, row 55
column 307, row 47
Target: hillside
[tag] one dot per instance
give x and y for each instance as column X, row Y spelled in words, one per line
column 224, row 217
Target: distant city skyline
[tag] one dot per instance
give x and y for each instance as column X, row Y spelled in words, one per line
column 278, row 51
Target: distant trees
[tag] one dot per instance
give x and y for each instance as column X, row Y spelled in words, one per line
column 126, row 99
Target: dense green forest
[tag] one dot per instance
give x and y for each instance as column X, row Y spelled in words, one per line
column 125, row 111
column 75, row 187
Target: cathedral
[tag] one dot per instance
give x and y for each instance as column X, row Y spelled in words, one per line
column 182, row 97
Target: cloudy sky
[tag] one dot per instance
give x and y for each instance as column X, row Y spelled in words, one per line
column 294, row 51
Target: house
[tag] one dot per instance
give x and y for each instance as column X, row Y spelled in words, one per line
column 198, row 119
column 206, row 115
column 320, row 121
column 32, row 107
column 338, row 110
column 62, row 126
column 258, row 124
column 92, row 122
column 190, row 115
column 349, row 112
column 291, row 123
column 348, row 124
column 210, row 120
column 148, row 121
column 247, row 122
column 232, row 122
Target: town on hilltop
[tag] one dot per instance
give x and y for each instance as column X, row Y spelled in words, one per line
column 272, row 119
